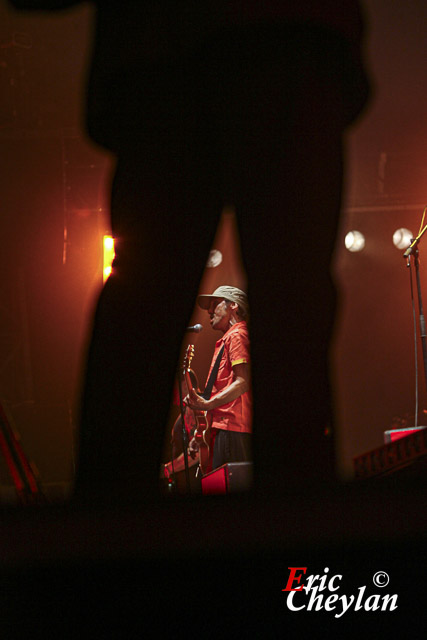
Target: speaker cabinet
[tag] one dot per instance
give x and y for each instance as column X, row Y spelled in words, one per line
column 395, row 434
column 230, row 478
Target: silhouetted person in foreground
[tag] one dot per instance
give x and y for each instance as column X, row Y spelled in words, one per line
column 208, row 104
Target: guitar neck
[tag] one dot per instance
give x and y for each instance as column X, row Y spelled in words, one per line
column 188, row 380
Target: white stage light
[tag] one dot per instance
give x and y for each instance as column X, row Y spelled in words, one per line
column 402, row 238
column 215, row 258
column 354, row 241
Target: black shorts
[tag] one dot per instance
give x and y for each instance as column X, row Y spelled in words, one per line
column 231, row 446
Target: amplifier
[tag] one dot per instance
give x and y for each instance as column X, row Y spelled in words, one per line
column 395, row 434
column 230, row 478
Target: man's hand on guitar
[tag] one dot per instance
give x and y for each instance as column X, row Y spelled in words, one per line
column 193, row 449
column 196, row 402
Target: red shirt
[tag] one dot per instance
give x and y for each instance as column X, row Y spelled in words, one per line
column 235, row 415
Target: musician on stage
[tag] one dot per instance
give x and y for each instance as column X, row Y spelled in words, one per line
column 229, row 408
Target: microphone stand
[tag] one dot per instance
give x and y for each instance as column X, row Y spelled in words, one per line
column 195, row 329
column 184, row 436
column 413, row 250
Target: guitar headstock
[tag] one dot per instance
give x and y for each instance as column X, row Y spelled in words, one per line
column 189, row 354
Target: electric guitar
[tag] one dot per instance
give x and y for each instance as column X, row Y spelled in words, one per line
column 202, row 433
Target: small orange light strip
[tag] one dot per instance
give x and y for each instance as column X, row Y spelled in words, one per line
column 108, row 257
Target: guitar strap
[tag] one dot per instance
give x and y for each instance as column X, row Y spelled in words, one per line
column 210, row 383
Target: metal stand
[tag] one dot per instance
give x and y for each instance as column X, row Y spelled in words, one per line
column 413, row 250
column 184, row 436
column 26, row 484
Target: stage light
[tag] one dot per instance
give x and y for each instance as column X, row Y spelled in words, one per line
column 354, row 241
column 108, row 256
column 215, row 258
column 402, row 238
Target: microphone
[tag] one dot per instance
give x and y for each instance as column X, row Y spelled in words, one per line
column 195, row 328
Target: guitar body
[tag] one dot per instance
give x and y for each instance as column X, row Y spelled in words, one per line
column 203, row 437
column 202, row 433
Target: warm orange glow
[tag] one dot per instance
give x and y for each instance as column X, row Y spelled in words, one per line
column 108, row 256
